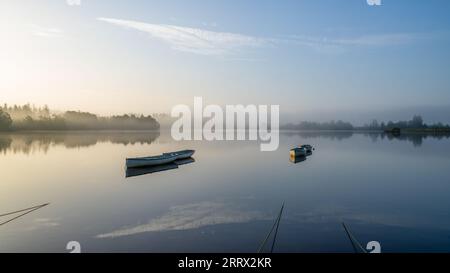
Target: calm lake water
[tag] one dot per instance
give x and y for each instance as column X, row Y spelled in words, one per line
column 392, row 190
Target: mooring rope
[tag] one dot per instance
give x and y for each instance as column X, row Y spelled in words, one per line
column 276, row 230
column 27, row 210
column 357, row 247
column 275, row 224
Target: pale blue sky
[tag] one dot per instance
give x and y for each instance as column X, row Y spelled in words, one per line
column 318, row 59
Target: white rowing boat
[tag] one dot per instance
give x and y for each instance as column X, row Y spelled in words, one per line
column 149, row 161
column 181, row 154
column 165, row 158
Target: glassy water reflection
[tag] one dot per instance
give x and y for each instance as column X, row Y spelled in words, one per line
column 394, row 190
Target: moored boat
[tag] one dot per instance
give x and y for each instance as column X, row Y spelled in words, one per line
column 165, row 158
column 181, row 154
column 296, row 152
column 297, row 159
column 307, row 147
column 150, row 161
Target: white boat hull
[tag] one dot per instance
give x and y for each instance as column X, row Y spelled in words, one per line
column 150, row 161
column 181, row 154
column 158, row 160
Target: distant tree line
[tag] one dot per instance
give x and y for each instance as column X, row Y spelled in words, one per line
column 27, row 117
column 18, row 112
column 416, row 123
column 308, row 125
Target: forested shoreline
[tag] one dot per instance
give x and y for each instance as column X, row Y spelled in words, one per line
column 416, row 124
column 30, row 118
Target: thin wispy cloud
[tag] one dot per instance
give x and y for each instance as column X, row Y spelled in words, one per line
column 192, row 216
column 73, row 2
column 194, row 40
column 209, row 24
column 374, row 2
column 372, row 40
column 207, row 42
column 44, row 223
column 41, row 31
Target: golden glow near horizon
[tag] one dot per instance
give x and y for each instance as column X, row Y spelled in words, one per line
column 78, row 63
column 46, row 64
column 108, row 57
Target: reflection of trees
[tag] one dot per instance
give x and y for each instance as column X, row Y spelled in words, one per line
column 415, row 138
column 5, row 143
column 333, row 135
column 28, row 143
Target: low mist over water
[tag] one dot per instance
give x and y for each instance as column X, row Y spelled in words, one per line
column 390, row 189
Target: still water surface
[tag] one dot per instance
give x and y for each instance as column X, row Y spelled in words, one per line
column 392, row 190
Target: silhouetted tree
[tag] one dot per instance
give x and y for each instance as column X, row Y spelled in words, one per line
column 416, row 122
column 5, row 121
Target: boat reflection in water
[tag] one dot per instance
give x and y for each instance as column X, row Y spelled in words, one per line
column 132, row 172
column 184, row 161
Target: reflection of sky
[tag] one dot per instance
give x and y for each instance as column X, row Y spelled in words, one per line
column 386, row 189
column 42, row 142
column 191, row 216
column 44, row 223
column 336, row 214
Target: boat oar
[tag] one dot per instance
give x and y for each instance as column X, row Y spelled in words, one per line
column 357, row 247
column 275, row 225
column 27, row 211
